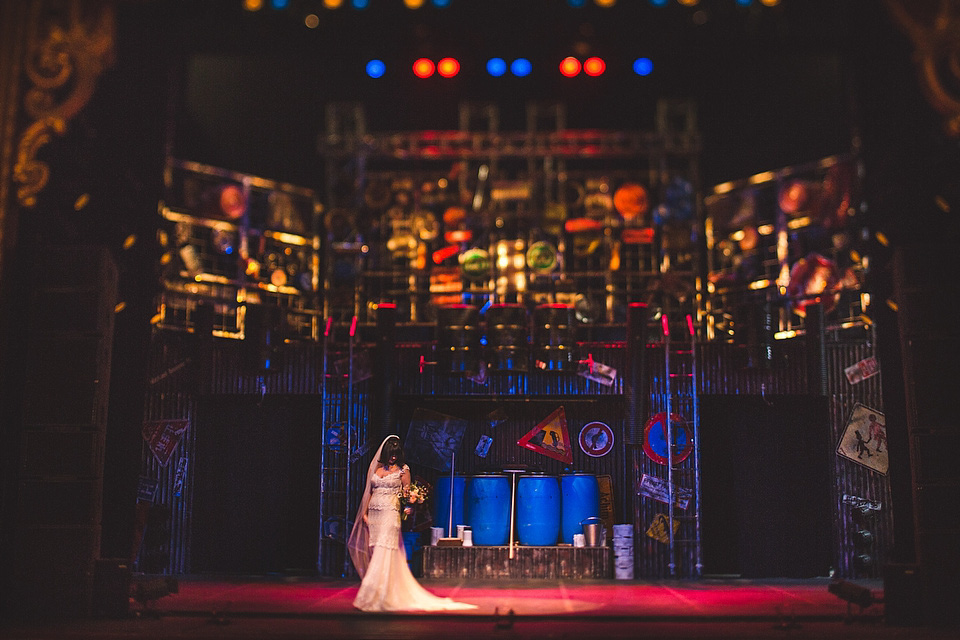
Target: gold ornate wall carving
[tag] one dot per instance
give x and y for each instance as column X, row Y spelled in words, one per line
column 13, row 20
column 69, row 45
column 934, row 28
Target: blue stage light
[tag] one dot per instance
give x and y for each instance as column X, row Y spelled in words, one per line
column 521, row 67
column 744, row 3
column 376, row 68
column 576, row 4
column 279, row 4
column 659, row 3
column 496, row 67
column 360, row 4
column 643, row 66
column 441, row 3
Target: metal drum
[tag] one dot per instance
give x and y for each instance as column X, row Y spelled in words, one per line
column 441, row 503
column 458, row 338
column 554, row 337
column 487, row 508
column 538, row 510
column 580, row 500
column 508, row 343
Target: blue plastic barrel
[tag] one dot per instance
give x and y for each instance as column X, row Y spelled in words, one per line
column 441, row 504
column 411, row 544
column 487, row 507
column 538, row 510
column 580, row 500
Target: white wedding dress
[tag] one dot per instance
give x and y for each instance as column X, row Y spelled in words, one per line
column 387, row 583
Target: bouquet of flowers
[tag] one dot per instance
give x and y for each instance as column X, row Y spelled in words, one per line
column 410, row 496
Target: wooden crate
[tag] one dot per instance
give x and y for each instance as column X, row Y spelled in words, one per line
column 528, row 562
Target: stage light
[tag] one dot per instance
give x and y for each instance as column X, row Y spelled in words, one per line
column 440, row 4
column 605, row 3
column 253, row 5
column 224, row 201
column 569, row 66
column 376, row 68
column 594, row 66
column 332, row 4
column 744, row 3
column 659, row 3
column 448, row 67
column 423, row 68
column 279, row 4
column 689, row 3
column 521, row 67
column 360, row 4
column 769, row 3
column 643, row 66
column 863, row 539
column 496, row 67
column 576, row 4
column 413, row 4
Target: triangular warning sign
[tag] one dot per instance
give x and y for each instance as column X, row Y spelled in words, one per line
column 550, row 437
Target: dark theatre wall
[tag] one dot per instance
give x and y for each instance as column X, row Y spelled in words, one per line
column 257, row 469
column 766, row 469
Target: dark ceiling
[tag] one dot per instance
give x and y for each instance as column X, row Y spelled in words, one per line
column 773, row 85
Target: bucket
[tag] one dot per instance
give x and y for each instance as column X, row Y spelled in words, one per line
column 624, row 572
column 623, row 539
column 487, row 507
column 580, row 499
column 441, row 503
column 622, row 547
column 623, row 531
column 593, row 533
column 538, row 510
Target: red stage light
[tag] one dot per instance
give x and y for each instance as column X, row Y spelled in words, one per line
column 594, row 66
column 448, row 67
column 569, row 66
column 423, row 68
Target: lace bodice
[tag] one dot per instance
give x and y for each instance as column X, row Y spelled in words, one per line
column 383, row 510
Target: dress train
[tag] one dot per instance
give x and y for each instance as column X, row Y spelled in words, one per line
column 389, row 586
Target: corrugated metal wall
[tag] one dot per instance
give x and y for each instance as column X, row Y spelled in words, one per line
column 171, row 397
column 526, row 399
column 853, row 479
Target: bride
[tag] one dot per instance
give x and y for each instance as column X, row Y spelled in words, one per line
column 376, row 544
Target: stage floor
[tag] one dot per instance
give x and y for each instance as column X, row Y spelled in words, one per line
column 275, row 607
